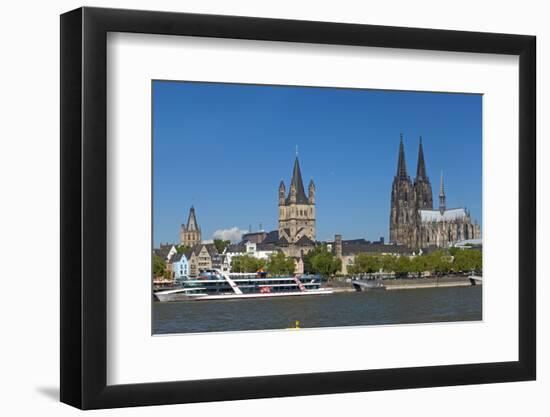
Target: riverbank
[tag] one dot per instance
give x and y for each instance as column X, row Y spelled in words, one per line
column 408, row 283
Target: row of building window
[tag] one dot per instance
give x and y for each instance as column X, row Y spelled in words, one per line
column 302, row 212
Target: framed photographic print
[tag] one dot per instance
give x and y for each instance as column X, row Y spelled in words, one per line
column 257, row 208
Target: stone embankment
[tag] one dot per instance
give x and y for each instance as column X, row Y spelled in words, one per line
column 447, row 281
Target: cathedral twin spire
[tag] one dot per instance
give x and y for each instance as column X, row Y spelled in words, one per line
column 402, row 164
column 421, row 167
column 422, row 186
column 408, row 197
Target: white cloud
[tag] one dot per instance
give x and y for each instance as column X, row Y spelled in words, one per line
column 234, row 234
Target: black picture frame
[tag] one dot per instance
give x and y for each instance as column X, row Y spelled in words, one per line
column 84, row 207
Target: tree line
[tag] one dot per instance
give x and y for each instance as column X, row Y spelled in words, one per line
column 437, row 262
column 276, row 264
column 322, row 262
column 318, row 261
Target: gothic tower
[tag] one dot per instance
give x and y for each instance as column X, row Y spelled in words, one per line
column 296, row 211
column 402, row 215
column 190, row 234
column 422, row 188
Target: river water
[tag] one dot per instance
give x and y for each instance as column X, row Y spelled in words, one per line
column 428, row 305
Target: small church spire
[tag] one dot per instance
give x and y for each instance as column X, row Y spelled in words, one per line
column 442, row 204
column 401, row 164
column 190, row 234
column 421, row 167
column 192, row 224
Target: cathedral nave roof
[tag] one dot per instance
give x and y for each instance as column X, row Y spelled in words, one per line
column 448, row 215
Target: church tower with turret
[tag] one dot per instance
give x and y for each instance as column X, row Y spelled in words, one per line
column 296, row 210
column 190, row 234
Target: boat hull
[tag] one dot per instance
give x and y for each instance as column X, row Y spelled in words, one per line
column 368, row 285
column 263, row 295
column 476, row 280
column 223, row 287
column 180, row 296
column 175, row 296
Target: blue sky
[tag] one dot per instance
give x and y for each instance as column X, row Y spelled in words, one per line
column 224, row 148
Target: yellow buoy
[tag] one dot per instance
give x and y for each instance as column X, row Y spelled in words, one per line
column 296, row 325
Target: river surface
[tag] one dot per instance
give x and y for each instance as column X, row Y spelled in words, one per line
column 428, row 305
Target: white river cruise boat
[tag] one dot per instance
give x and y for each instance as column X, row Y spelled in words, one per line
column 214, row 285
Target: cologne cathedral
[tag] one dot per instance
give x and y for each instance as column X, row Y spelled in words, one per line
column 413, row 220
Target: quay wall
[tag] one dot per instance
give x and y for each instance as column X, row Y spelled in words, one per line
column 406, row 284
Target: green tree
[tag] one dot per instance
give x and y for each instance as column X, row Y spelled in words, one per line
column 477, row 256
column 462, row 261
column 182, row 248
column 439, row 261
column 374, row 263
column 359, row 264
column 388, row 263
column 366, row 264
column 221, row 244
column 321, row 261
column 419, row 264
column 246, row 263
column 254, row 264
column 236, row 264
column 158, row 266
column 467, row 260
column 325, row 264
column 279, row 264
column 308, row 257
column 402, row 265
column 453, row 251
